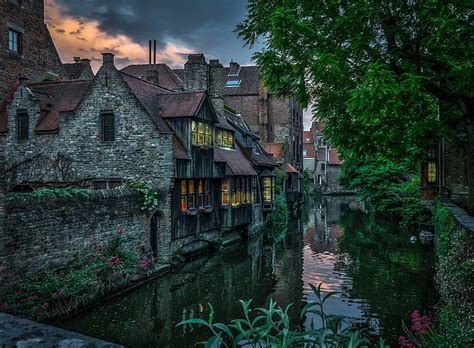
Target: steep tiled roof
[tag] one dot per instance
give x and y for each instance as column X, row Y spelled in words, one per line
column 3, row 108
column 290, row 169
column 185, row 104
column 147, row 94
column 75, row 71
column 236, row 161
column 249, row 78
column 166, row 77
column 276, row 149
column 224, row 124
column 239, row 122
column 261, row 158
column 57, row 97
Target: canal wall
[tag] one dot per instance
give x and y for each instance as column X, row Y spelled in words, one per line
column 47, row 233
column 454, row 242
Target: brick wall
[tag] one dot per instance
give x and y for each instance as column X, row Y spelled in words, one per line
column 455, row 173
column 38, row 56
column 49, row 232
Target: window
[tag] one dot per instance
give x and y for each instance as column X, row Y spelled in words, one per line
column 22, row 125
column 107, row 127
column 191, row 195
column 225, row 192
column 207, row 190
column 106, row 184
column 201, row 194
column 248, row 189
column 14, row 41
column 304, row 152
column 267, row 189
column 201, row 133
column 233, row 83
column 225, row 139
column 255, row 197
column 431, row 166
column 184, row 196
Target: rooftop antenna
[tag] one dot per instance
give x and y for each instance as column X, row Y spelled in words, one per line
column 154, row 54
column 149, row 54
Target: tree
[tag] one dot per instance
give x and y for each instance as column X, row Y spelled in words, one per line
column 387, row 77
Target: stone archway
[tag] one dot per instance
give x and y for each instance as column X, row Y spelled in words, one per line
column 155, row 225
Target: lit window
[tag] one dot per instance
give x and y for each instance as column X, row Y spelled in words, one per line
column 225, row 192
column 254, row 190
column 207, row 190
column 200, row 194
column 14, row 41
column 184, row 197
column 191, row 196
column 201, row 133
column 225, row 139
column 233, row 83
column 431, row 166
column 304, row 152
column 23, row 126
column 267, row 189
column 107, row 127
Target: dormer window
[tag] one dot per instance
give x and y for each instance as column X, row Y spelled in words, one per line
column 15, row 41
column 225, row 139
column 201, row 133
column 22, row 125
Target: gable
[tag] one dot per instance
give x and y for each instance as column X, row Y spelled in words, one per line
column 206, row 111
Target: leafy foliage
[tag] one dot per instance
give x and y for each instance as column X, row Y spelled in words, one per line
column 391, row 187
column 279, row 218
column 271, row 327
column 55, row 293
column 150, row 194
column 51, row 193
column 444, row 226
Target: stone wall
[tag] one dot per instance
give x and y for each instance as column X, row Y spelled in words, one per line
column 46, row 233
column 38, row 57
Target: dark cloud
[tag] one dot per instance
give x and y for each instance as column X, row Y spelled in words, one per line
column 202, row 25
column 60, row 31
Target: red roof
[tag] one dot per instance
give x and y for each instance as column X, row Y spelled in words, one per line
column 3, row 108
column 275, row 149
column 290, row 169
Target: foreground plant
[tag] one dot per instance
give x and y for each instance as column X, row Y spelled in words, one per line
column 271, row 327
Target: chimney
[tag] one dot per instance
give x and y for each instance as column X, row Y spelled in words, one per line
column 108, row 60
column 234, row 68
column 196, row 73
column 152, row 72
column 216, row 85
column 86, row 61
column 77, row 59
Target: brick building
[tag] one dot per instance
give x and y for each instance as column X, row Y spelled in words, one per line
column 79, row 70
column 26, row 47
column 328, row 163
column 309, row 153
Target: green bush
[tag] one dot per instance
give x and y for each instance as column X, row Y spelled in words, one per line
column 279, row 218
column 444, row 225
column 392, row 188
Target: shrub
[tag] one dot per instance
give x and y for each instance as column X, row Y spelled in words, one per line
column 271, row 327
column 279, row 218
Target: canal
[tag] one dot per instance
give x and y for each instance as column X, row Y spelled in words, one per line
column 379, row 275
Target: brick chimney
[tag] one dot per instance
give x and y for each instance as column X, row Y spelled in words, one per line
column 216, row 85
column 196, row 73
column 86, row 61
column 234, row 68
column 108, row 60
column 77, row 59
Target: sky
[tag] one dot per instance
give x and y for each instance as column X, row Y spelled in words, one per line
column 86, row 28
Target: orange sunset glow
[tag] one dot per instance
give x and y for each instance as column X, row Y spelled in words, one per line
column 84, row 38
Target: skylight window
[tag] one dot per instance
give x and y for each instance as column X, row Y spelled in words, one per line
column 233, row 83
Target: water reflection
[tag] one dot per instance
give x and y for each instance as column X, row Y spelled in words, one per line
column 379, row 275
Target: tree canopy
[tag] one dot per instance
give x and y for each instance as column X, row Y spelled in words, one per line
column 385, row 76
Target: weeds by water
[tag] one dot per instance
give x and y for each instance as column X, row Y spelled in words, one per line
column 271, row 327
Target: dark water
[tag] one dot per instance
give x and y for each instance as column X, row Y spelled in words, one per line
column 380, row 276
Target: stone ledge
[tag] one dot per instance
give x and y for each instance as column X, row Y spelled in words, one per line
column 461, row 216
column 19, row 332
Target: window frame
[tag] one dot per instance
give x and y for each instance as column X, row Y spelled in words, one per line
column 103, row 131
column 225, row 192
column 22, row 125
column 18, row 35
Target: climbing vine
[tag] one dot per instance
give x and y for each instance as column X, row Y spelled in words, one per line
column 150, row 194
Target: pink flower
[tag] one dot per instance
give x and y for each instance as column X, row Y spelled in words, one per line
column 114, row 261
column 135, row 276
column 30, row 299
column 420, row 324
column 144, row 262
column 405, row 342
column 45, row 305
column 120, row 231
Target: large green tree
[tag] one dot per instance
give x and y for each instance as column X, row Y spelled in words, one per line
column 386, row 76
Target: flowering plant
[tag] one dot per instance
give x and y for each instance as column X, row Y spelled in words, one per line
column 419, row 334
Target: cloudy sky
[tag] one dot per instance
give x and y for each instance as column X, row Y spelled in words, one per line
column 86, row 28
